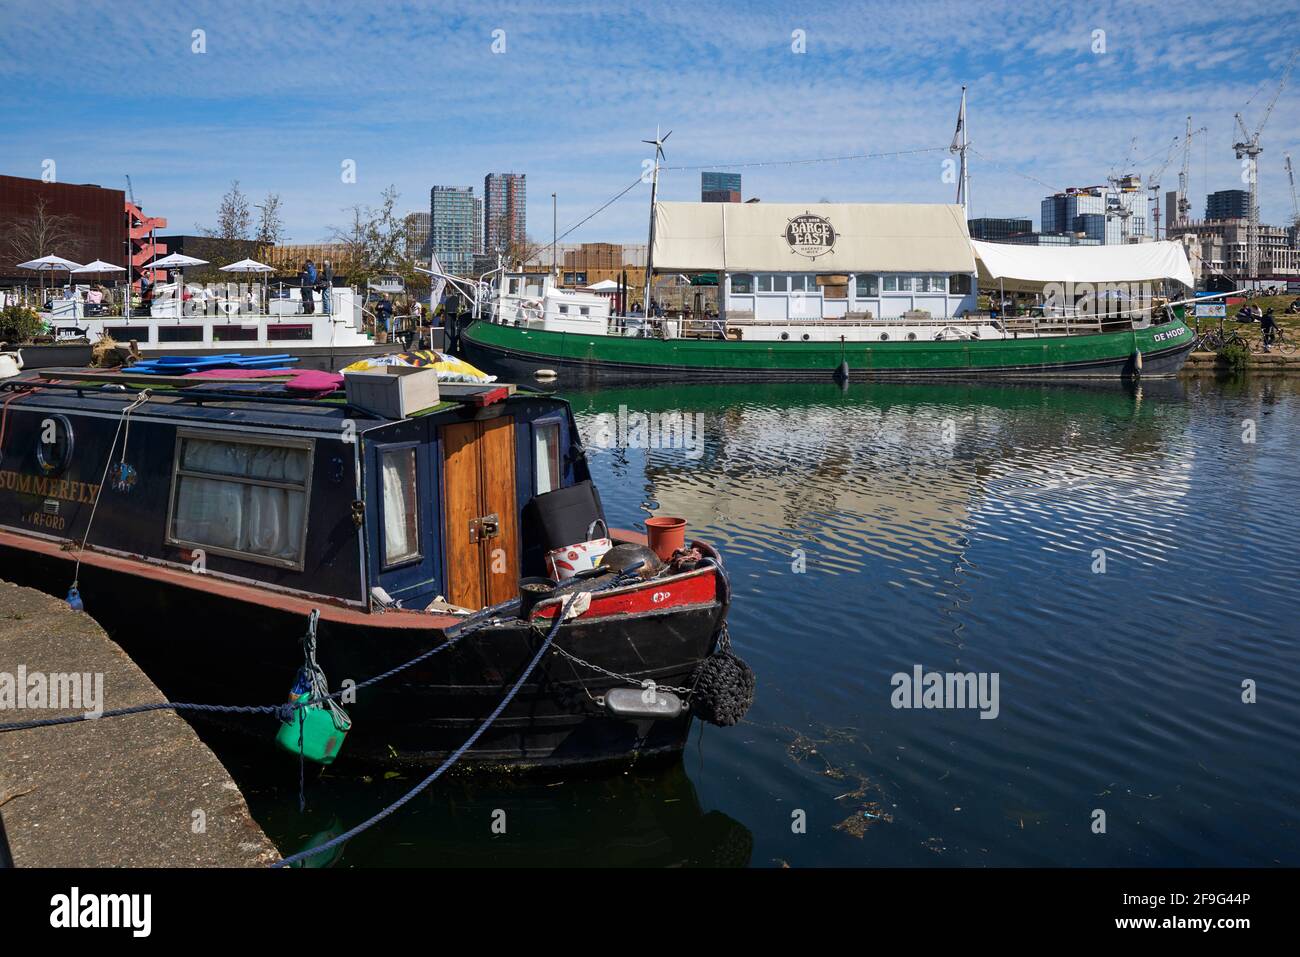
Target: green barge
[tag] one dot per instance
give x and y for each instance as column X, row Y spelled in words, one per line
column 526, row 354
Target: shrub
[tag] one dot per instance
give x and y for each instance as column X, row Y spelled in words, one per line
column 19, row 323
column 1235, row 355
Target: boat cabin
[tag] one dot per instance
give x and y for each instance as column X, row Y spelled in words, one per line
column 311, row 497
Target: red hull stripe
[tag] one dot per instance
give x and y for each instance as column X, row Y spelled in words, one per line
column 702, row 587
column 694, row 588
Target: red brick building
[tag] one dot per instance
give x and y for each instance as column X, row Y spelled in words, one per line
column 81, row 223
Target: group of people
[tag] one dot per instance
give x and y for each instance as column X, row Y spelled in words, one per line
column 312, row 282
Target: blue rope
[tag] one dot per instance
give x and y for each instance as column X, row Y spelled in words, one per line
column 452, row 759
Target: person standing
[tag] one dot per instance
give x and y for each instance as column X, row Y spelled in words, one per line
column 1268, row 328
column 308, row 283
column 326, row 287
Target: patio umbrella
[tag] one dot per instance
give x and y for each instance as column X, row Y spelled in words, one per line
column 99, row 266
column 249, row 266
column 178, row 262
column 50, row 264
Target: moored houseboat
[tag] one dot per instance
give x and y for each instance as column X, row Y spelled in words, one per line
column 849, row 291
column 203, row 522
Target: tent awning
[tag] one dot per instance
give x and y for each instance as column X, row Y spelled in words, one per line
column 1029, row 268
column 811, row 237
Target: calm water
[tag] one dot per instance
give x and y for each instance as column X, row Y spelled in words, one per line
column 954, row 528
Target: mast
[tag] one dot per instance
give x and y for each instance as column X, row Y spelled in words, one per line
column 658, row 144
column 960, row 144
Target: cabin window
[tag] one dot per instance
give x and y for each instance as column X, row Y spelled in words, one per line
column 584, row 310
column 959, row 284
column 241, row 496
column 867, row 286
column 804, row 283
column 891, row 284
column 742, row 283
column 282, row 331
column 234, row 333
column 546, row 456
column 180, row 333
column 514, row 287
column 772, row 284
column 564, row 310
column 401, row 511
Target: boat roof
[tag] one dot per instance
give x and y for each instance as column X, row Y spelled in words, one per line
column 247, row 404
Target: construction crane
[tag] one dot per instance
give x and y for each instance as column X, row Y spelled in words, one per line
column 1153, row 185
column 130, row 193
column 1184, row 204
column 1295, row 203
column 1248, row 148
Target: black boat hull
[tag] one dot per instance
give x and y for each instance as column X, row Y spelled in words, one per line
column 197, row 646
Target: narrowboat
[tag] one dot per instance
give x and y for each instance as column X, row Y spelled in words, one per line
column 203, row 522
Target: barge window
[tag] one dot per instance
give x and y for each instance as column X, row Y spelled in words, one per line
column 891, row 284
column 771, row 283
column 742, row 283
column 234, row 333
column 867, row 286
column 180, row 333
column 546, row 456
column 804, row 283
column 401, row 514
column 242, row 496
column 959, row 284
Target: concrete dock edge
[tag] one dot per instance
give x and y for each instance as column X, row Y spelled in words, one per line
column 135, row 791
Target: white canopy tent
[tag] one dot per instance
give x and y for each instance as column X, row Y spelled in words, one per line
column 811, row 237
column 1016, row 268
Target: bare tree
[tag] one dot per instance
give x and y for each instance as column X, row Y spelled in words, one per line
column 270, row 227
column 375, row 239
column 234, row 216
column 42, row 233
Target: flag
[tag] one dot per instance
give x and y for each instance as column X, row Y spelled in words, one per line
column 437, row 283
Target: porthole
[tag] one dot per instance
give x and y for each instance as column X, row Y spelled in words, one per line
column 784, row 336
column 911, row 337
column 54, row 444
column 806, row 337
column 884, row 337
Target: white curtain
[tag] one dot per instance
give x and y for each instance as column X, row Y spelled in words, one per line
column 238, row 516
column 399, row 506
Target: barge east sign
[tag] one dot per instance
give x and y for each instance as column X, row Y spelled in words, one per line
column 810, row 235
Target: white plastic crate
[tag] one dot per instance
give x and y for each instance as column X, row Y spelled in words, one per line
column 393, row 391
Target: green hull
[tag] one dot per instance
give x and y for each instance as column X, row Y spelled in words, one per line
column 520, row 353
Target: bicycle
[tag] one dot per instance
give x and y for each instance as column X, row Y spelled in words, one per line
column 1280, row 343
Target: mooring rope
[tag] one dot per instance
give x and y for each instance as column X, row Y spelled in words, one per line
column 123, row 419
column 464, row 629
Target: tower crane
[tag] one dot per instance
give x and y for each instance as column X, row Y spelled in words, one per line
column 1248, row 148
column 1184, row 204
column 1153, row 186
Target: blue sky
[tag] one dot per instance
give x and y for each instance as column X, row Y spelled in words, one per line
column 415, row 95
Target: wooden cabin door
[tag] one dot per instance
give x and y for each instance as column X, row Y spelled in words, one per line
column 482, row 524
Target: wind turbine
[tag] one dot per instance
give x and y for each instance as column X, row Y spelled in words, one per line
column 658, row 144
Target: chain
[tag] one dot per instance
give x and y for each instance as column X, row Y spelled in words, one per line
column 638, row 682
